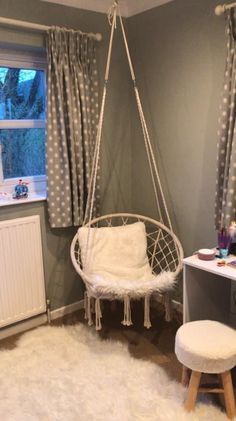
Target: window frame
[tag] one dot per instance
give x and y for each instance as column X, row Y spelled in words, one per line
column 32, row 61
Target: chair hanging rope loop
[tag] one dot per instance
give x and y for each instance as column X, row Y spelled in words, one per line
column 164, row 250
column 147, row 141
column 94, row 169
column 112, row 18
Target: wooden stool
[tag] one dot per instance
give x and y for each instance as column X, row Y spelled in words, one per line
column 206, row 346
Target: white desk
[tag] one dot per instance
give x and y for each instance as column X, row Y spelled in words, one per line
column 207, row 290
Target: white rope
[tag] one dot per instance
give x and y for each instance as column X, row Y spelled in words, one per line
column 94, row 170
column 112, row 15
column 127, row 312
column 149, row 159
column 145, row 132
column 111, row 12
column 92, row 305
column 147, row 321
column 112, row 20
column 155, row 248
column 168, row 307
column 98, row 314
column 92, row 185
column 147, row 138
column 124, row 322
column 90, row 321
column 86, row 305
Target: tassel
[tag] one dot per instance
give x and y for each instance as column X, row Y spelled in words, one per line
column 98, row 314
column 129, row 321
column 90, row 321
column 168, row 307
column 127, row 312
column 86, row 305
column 147, row 322
column 92, row 305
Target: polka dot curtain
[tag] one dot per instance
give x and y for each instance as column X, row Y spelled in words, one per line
column 72, row 118
column 225, row 206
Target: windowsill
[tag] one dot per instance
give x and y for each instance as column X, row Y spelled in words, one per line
column 33, row 197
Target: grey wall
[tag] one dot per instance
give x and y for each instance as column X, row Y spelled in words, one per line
column 179, row 54
column 62, row 284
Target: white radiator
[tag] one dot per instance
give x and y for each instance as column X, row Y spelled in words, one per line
column 22, row 287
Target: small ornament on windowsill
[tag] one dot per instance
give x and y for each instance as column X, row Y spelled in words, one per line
column 21, row 190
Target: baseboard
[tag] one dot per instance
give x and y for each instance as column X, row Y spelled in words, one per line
column 36, row 321
column 71, row 308
column 176, row 305
column 20, row 327
column 57, row 314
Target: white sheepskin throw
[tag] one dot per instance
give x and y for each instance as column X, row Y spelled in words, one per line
column 134, row 288
column 116, row 262
column 69, row 374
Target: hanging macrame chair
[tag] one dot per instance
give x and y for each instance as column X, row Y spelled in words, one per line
column 125, row 256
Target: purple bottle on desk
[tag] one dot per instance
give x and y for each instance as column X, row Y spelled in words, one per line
column 224, row 242
column 232, row 231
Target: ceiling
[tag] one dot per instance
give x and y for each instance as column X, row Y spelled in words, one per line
column 127, row 7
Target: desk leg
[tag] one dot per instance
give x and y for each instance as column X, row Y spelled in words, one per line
column 186, row 315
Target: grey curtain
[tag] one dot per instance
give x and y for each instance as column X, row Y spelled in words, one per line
column 72, row 118
column 225, row 206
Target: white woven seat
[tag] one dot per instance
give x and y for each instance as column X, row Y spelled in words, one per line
column 164, row 256
column 207, row 346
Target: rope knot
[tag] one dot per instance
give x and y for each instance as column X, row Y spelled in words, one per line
column 111, row 14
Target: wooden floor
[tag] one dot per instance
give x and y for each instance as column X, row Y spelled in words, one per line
column 155, row 344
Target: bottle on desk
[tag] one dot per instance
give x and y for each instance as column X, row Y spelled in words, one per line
column 232, row 232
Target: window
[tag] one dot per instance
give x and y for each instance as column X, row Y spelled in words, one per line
column 22, row 123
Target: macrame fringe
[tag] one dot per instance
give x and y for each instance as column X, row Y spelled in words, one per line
column 168, row 307
column 92, row 305
column 127, row 312
column 90, row 320
column 147, row 321
column 86, row 305
column 98, row 314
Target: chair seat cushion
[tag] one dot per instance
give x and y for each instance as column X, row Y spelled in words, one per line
column 115, row 253
column 206, row 346
column 116, row 263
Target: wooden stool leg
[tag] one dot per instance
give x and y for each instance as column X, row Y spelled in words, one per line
column 190, row 401
column 228, row 394
column 185, row 376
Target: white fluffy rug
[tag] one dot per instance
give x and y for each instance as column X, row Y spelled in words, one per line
column 70, row 374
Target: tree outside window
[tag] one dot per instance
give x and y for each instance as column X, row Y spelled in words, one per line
column 22, row 122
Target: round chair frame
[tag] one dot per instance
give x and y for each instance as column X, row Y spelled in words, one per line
column 164, row 250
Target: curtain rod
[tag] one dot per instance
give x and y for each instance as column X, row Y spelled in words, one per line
column 221, row 8
column 38, row 27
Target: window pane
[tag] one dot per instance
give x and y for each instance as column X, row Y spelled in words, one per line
column 22, row 93
column 23, row 152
